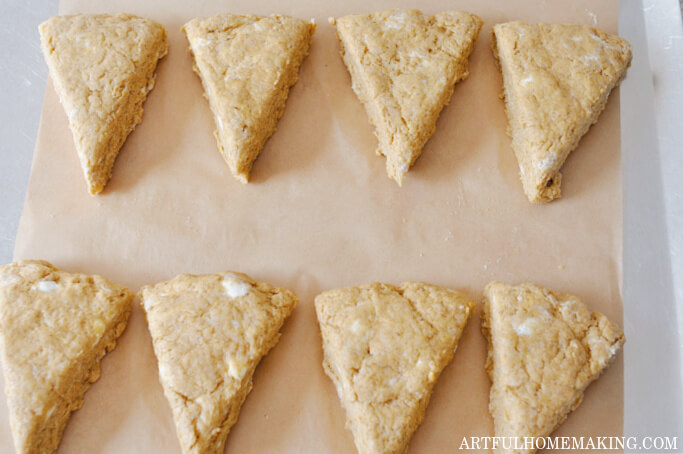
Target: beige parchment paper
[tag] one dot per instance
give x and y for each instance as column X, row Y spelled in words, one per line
column 321, row 213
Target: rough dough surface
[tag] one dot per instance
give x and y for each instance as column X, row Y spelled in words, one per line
column 247, row 65
column 102, row 68
column 209, row 334
column 556, row 82
column 55, row 327
column 404, row 65
column 545, row 348
column 385, row 347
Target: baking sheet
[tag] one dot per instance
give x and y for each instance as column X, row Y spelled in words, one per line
column 321, row 213
column 653, row 317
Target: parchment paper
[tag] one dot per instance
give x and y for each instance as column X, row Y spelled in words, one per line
column 321, row 213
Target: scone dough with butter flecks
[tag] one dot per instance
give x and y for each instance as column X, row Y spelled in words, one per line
column 102, row 68
column 545, row 348
column 384, row 348
column 247, row 65
column 55, row 327
column 556, row 82
column 209, row 333
column 404, row 65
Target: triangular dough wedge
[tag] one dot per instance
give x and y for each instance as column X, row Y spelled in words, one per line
column 209, row 334
column 404, row 65
column 247, row 65
column 385, row 347
column 55, row 327
column 545, row 348
column 102, row 68
column 556, row 81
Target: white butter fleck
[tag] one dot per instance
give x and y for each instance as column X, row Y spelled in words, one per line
column 527, row 80
column 203, row 401
column 147, row 88
column 236, row 369
column 202, row 42
column 547, row 163
column 220, row 123
column 9, row 279
column 432, row 372
column 590, row 58
column 527, row 327
column 71, row 114
column 394, row 380
column 235, row 287
column 613, row 349
column 566, row 304
column 163, row 370
column 47, row 286
column 551, row 299
column 98, row 327
column 395, row 21
column 357, row 327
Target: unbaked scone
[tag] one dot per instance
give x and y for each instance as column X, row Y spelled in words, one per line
column 545, row 348
column 55, row 327
column 247, row 65
column 556, row 82
column 404, row 65
column 102, row 68
column 384, row 348
column 209, row 334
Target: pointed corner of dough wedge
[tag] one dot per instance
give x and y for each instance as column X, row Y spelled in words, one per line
column 102, row 68
column 384, row 349
column 403, row 66
column 545, row 348
column 247, row 65
column 556, row 81
column 55, row 327
column 209, row 334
